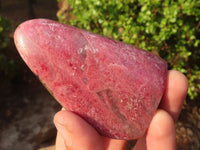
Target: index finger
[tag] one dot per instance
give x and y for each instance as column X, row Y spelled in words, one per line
column 175, row 93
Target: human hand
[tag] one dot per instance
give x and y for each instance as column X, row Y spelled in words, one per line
column 74, row 133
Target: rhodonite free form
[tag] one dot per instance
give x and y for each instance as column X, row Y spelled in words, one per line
column 112, row 85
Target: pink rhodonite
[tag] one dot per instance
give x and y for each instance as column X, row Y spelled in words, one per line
column 114, row 86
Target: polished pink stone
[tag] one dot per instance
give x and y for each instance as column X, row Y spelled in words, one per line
column 114, row 86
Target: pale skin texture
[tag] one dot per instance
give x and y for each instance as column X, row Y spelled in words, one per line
column 76, row 134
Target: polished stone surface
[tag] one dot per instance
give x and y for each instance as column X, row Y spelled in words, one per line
column 114, row 86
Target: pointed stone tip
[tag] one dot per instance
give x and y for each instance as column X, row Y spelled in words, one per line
column 23, row 40
column 23, row 26
column 28, row 24
column 19, row 40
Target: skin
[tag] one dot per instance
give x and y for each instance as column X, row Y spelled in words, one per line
column 76, row 134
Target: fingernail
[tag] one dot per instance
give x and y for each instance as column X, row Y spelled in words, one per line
column 64, row 132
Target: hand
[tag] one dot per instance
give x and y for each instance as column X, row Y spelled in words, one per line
column 76, row 134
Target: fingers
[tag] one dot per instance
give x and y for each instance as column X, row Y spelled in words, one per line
column 60, row 143
column 175, row 93
column 160, row 134
column 75, row 134
column 113, row 144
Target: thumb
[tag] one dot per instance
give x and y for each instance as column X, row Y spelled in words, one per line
column 74, row 133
